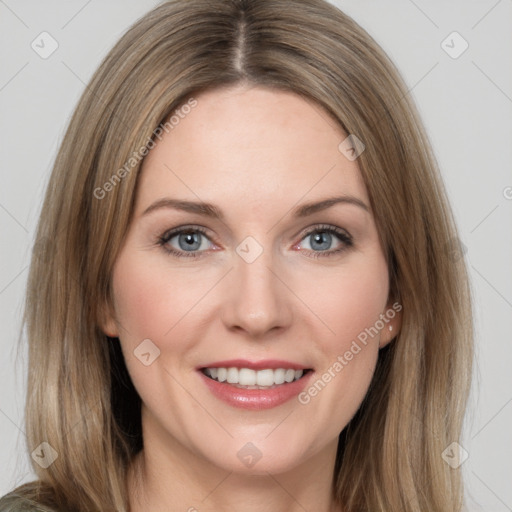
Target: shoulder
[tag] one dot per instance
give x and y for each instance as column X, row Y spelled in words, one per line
column 15, row 503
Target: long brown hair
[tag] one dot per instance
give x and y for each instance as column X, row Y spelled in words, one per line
column 80, row 398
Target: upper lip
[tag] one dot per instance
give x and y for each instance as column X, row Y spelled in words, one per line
column 272, row 364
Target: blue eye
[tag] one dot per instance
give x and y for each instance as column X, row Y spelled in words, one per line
column 179, row 242
column 189, row 241
column 320, row 239
column 192, row 241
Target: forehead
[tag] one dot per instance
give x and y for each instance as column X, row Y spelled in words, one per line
column 250, row 147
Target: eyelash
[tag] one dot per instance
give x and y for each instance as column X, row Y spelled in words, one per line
column 168, row 235
column 341, row 234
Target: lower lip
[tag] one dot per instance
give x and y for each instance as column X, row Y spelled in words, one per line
column 256, row 399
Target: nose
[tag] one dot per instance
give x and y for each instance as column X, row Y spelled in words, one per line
column 257, row 301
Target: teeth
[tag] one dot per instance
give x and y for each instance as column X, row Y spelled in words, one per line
column 289, row 375
column 279, row 376
column 247, row 377
column 222, row 373
column 252, row 378
column 232, row 376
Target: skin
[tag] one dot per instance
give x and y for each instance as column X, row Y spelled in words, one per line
column 256, row 154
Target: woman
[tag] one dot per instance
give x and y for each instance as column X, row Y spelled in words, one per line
column 241, row 294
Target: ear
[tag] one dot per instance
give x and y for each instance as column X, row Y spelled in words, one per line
column 107, row 321
column 392, row 318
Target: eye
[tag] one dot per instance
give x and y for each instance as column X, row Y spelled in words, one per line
column 187, row 241
column 325, row 241
column 192, row 241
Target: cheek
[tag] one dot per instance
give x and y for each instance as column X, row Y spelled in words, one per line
column 138, row 300
column 149, row 298
column 348, row 301
column 150, row 303
column 350, row 305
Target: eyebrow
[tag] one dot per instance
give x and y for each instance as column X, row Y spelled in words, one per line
column 210, row 210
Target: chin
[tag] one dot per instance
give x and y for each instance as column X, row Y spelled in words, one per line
column 258, row 457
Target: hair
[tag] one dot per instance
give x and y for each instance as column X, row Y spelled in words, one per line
column 80, row 397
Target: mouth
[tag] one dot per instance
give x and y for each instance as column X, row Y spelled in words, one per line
column 255, row 386
column 247, row 378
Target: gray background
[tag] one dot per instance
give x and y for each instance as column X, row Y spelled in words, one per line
column 466, row 104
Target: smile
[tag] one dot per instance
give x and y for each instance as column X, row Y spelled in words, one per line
column 257, row 387
column 248, row 378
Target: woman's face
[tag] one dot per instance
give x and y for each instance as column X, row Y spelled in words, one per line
column 277, row 272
